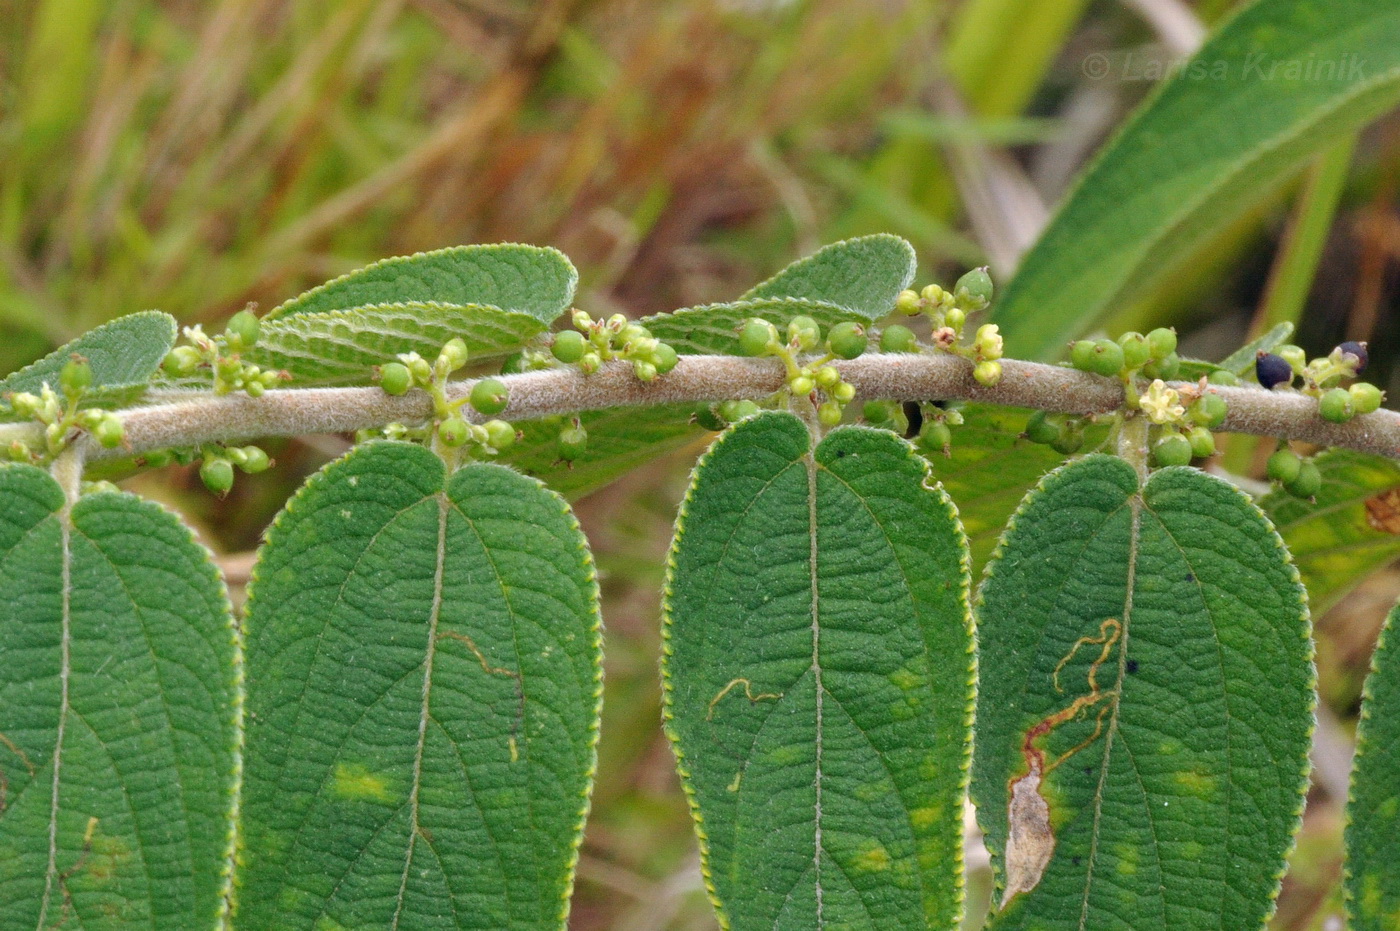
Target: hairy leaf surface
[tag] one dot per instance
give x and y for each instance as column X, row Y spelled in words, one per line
column 714, row 328
column 528, row 279
column 1297, row 74
column 1145, row 705
column 1349, row 529
column 424, row 693
column 863, row 275
column 819, row 679
column 1373, row 811
column 119, row 705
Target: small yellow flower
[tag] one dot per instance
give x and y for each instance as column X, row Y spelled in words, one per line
column 1162, row 404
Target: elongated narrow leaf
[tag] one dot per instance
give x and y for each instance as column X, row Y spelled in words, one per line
column 1275, row 85
column 819, row 679
column 424, row 693
column 528, row 279
column 123, row 353
column 715, row 327
column 119, row 704
column 341, row 346
column 863, row 275
column 1241, row 361
column 1373, row 811
column 1144, row 707
column 1348, row 530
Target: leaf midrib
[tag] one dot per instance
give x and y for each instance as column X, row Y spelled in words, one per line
column 64, row 671
column 810, row 462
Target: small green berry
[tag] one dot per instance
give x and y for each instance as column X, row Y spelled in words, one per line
column 955, row 317
column 1136, row 350
column 1284, row 466
column 664, row 357
column 1165, row 368
column 802, row 385
column 1335, row 406
column 243, row 330
column 1041, row 429
column 756, row 338
column 254, row 460
column 932, row 294
column 907, row 303
column 1223, row 377
column 590, row 363
column 934, row 436
column 744, row 409
column 827, row 377
column 1083, row 355
column 1294, row 356
column 1365, row 397
column 898, row 338
column 454, row 432
column 1069, row 437
column 75, row 377
column 977, row 286
column 1202, row 443
column 804, row 331
column 395, row 378
column 254, row 389
column 644, row 371
column 499, row 434
column 573, row 442
column 878, row 411
column 217, row 475
column 1309, row 481
column 420, row 369
column 1161, row 342
column 1108, row 358
column 568, row 346
column 829, row 413
column 844, row 392
column 454, row 353
column 109, row 431
column 1172, row 449
column 847, row 340
column 1209, row 410
column 987, row 373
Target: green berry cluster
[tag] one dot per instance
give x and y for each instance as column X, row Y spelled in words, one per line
column 221, row 354
column 930, row 425
column 1322, row 379
column 593, row 342
column 806, row 375
column 947, row 312
column 449, row 432
column 1298, row 476
column 1061, row 432
column 61, row 414
column 1151, row 355
column 218, row 463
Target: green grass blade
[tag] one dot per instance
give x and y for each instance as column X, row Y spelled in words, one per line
column 1372, row 882
column 818, row 668
column 424, row 680
column 527, row 279
column 1145, row 704
column 863, row 275
column 119, row 711
column 1274, row 86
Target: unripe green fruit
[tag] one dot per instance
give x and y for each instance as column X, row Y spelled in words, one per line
column 1136, row 351
column 987, row 373
column 573, row 442
column 395, row 378
column 1209, row 410
column 1069, row 439
column 217, row 475
column 898, row 338
column 878, row 411
column 25, row 405
column 75, row 377
column 847, row 340
column 255, row 460
column 977, row 285
column 1172, row 449
column 744, row 409
column 1083, row 355
column 802, row 385
column 499, row 434
column 1309, row 481
column 109, row 432
column 828, row 377
column 1108, row 358
column 1165, row 368
column 255, row 389
column 829, row 413
column 590, row 363
column 422, row 372
column 907, row 303
column 804, row 331
column 755, row 338
column 1284, row 466
column 454, row 432
column 664, row 357
column 1202, row 443
column 1335, row 406
column 935, row 436
column 845, row 392
column 1223, row 377
column 644, row 371
column 1161, row 342
column 708, row 418
column 568, row 346
column 1294, row 356
column 243, row 330
column 955, row 317
column 1040, row 429
column 454, row 354
column 1365, row 397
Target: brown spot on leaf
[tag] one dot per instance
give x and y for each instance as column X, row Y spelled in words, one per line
column 1383, row 511
column 1030, row 842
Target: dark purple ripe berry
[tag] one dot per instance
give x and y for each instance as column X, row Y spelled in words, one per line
column 1272, row 370
column 1358, row 350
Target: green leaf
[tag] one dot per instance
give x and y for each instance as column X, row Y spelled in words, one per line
column 119, row 711
column 1349, row 529
column 818, row 668
column 1277, row 84
column 527, row 279
column 341, row 346
column 1241, row 361
column 620, row 439
column 425, row 677
column 862, row 275
column 124, row 354
column 1146, row 699
column 713, row 328
column 1372, row 882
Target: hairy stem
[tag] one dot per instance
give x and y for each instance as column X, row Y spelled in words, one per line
column 185, row 419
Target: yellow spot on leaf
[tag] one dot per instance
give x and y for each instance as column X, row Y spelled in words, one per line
column 1194, row 782
column 353, row 780
column 874, row 858
column 1128, row 858
column 926, row 817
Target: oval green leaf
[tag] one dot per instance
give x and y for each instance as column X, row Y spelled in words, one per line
column 1145, row 704
column 863, row 275
column 818, row 668
column 119, row 713
column 425, row 678
column 1373, row 811
column 1278, row 83
column 527, row 279
column 714, row 328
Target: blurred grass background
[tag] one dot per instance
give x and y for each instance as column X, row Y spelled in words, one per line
column 197, row 155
